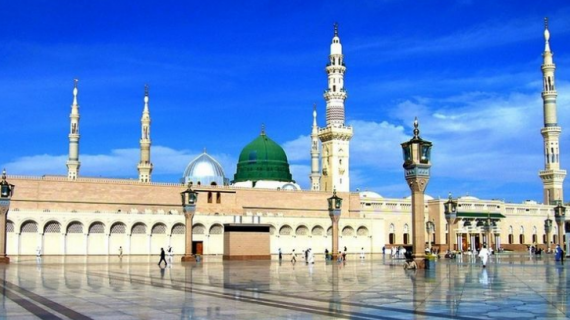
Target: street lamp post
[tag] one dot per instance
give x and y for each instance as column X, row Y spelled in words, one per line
column 559, row 217
column 189, row 200
column 451, row 217
column 6, row 192
column 430, row 227
column 547, row 230
column 417, row 154
column 335, row 206
column 488, row 228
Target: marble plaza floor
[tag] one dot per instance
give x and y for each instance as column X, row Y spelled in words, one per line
column 511, row 287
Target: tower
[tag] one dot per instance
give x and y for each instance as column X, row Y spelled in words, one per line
column 73, row 163
column 552, row 176
column 315, row 175
column 335, row 137
column 145, row 166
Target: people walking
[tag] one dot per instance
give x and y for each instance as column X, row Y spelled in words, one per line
column 326, row 254
column 162, row 257
column 293, row 256
column 484, row 255
column 311, row 257
column 558, row 253
column 362, row 253
column 344, row 254
column 280, row 255
column 120, row 252
column 170, row 254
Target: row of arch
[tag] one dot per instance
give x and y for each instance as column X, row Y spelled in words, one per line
column 317, row 230
column 30, row 226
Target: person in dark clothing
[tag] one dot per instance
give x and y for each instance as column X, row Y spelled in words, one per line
column 162, row 257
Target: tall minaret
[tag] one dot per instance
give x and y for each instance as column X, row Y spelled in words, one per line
column 335, row 137
column 315, row 173
column 552, row 176
column 145, row 166
column 73, row 163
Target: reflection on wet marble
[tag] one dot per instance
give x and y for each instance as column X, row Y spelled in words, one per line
column 511, row 287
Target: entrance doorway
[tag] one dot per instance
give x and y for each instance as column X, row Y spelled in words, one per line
column 198, row 247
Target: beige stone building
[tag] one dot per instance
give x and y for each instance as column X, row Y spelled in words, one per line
column 75, row 215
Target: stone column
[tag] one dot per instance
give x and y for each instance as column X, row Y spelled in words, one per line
column 560, row 234
column 4, row 208
column 335, row 218
column 417, row 186
column 189, row 211
column 451, row 237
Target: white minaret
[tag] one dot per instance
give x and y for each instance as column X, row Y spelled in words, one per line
column 73, row 163
column 315, row 175
column 145, row 166
column 552, row 176
column 335, row 137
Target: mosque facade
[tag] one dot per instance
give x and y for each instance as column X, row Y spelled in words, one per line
column 75, row 215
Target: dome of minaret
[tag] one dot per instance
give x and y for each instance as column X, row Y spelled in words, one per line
column 204, row 170
column 336, row 47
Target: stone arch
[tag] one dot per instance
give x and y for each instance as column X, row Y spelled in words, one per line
column 74, row 227
column 272, row 230
column 347, row 231
column 118, row 228
column 52, row 227
column 329, row 231
column 29, row 226
column 9, row 226
column 302, row 230
column 362, row 231
column 178, row 228
column 198, row 228
column 216, row 229
column 158, row 228
column 285, row 230
column 318, row 231
column 138, row 228
column 96, row 227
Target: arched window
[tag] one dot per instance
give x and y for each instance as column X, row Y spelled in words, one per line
column 302, row 231
column 96, row 227
column 198, row 229
column 272, row 230
column 52, row 227
column 29, row 227
column 159, row 228
column 138, row 228
column 362, row 231
column 347, row 231
column 285, row 230
column 75, row 227
column 178, row 229
column 329, row 231
column 318, row 231
column 119, row 228
column 9, row 226
column 217, row 229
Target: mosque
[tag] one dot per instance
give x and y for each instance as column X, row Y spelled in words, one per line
column 75, row 215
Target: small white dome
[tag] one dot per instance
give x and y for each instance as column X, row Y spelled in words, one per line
column 369, row 194
column 427, row 197
column 468, row 198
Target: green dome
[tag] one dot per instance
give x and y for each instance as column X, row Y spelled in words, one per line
column 263, row 159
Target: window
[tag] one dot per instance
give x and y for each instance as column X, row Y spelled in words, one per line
column 209, row 196
column 218, row 197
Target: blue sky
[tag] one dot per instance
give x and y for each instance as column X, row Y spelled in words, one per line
column 470, row 71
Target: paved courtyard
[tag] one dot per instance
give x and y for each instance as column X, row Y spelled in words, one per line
column 512, row 287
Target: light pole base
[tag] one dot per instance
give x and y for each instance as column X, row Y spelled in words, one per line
column 4, row 260
column 421, row 263
column 189, row 258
